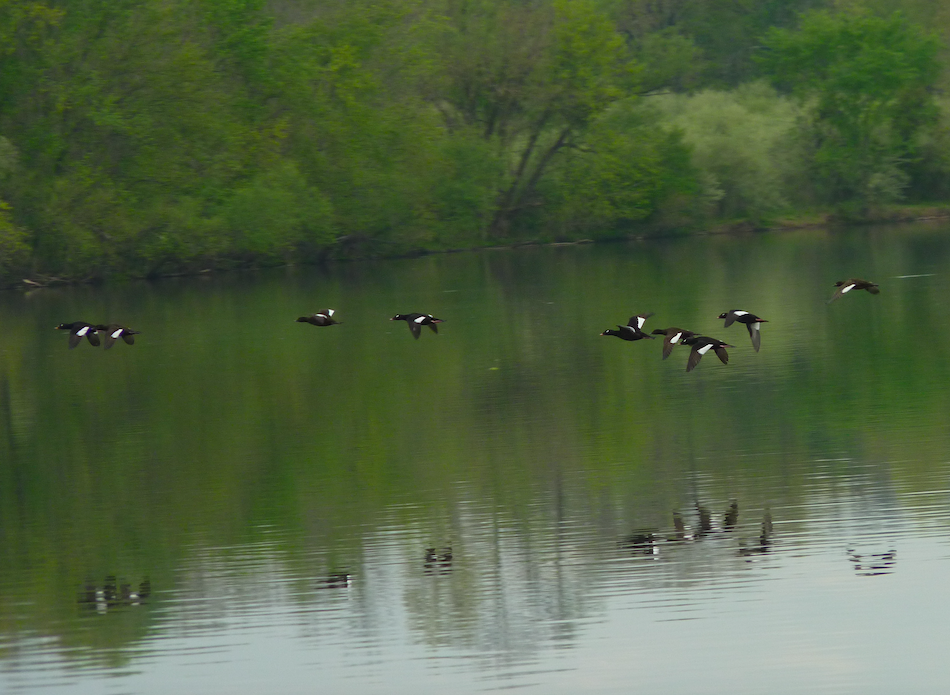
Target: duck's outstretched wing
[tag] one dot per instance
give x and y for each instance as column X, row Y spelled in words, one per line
column 668, row 343
column 842, row 290
column 755, row 334
column 695, row 355
column 722, row 354
column 638, row 320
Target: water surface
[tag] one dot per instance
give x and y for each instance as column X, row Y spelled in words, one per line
column 280, row 485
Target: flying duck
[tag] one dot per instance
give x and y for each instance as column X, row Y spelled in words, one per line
column 673, row 336
column 78, row 329
column 633, row 330
column 321, row 318
column 845, row 286
column 702, row 344
column 750, row 320
column 416, row 321
column 114, row 331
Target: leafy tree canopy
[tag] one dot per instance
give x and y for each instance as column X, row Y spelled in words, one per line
column 869, row 80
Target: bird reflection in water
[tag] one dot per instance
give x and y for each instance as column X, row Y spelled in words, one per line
column 336, row 580
column 680, row 531
column 731, row 517
column 111, row 595
column 705, row 520
column 765, row 537
column 642, row 543
column 438, row 561
column 872, row 564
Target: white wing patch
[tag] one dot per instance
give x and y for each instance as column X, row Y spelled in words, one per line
column 329, row 312
column 704, row 349
column 421, row 319
column 675, row 339
column 82, row 331
column 116, row 334
column 847, row 288
column 640, row 321
column 739, row 313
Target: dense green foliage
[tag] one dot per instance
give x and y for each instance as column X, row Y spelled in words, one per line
column 866, row 81
column 144, row 137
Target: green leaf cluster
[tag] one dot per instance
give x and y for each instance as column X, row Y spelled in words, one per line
column 866, row 80
column 159, row 136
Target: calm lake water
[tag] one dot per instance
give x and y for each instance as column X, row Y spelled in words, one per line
column 276, row 488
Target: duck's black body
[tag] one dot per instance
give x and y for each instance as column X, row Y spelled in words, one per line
column 750, row 320
column 633, row 330
column 113, row 331
column 845, row 286
column 702, row 344
column 416, row 321
column 673, row 335
column 78, row 329
column 321, row 318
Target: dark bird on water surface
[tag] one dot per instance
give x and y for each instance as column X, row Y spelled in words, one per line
column 633, row 330
column 673, row 335
column 702, row 344
column 845, row 286
column 750, row 320
column 114, row 331
column 321, row 318
column 416, row 321
column 78, row 329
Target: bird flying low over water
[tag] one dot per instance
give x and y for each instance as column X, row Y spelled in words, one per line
column 673, row 335
column 845, row 286
column 78, row 329
column 750, row 320
column 702, row 344
column 633, row 330
column 321, row 318
column 416, row 321
column 114, row 331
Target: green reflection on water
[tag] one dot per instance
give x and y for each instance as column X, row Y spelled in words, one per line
column 228, row 419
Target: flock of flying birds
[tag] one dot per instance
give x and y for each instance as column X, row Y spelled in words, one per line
column 700, row 344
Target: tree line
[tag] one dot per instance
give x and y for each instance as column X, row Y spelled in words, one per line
column 148, row 137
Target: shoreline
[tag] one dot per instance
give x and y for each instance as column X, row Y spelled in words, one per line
column 895, row 215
